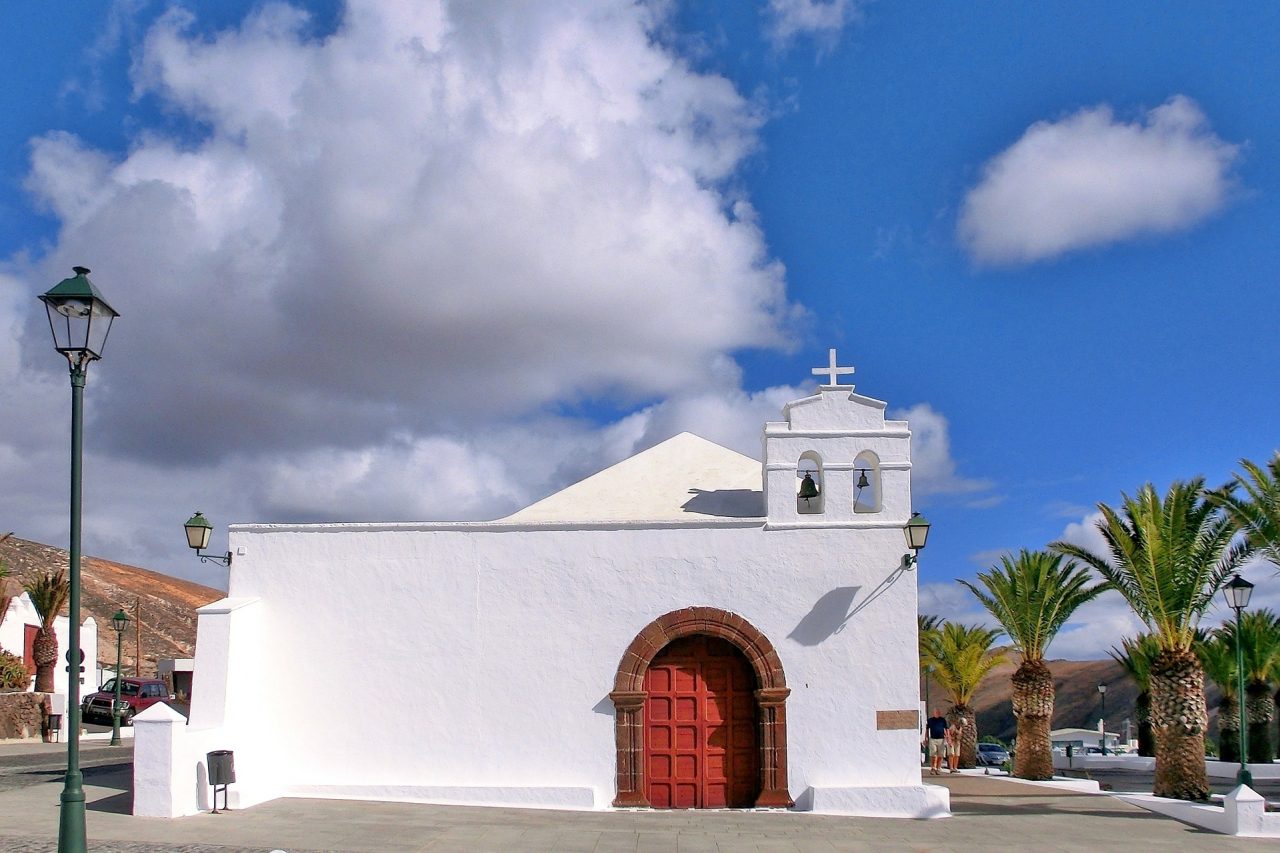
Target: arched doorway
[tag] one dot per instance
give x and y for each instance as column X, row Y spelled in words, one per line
column 630, row 694
column 701, row 740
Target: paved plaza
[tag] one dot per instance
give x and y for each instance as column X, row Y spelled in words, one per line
column 990, row 813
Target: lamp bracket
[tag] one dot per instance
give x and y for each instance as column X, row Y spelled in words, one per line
column 224, row 559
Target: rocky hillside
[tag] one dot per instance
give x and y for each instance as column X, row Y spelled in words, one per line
column 167, row 604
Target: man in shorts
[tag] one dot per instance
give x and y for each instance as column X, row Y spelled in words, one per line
column 937, row 729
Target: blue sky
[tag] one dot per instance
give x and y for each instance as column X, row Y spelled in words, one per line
column 1044, row 231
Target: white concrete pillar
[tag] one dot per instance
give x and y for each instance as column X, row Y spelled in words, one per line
column 1244, row 809
column 158, row 787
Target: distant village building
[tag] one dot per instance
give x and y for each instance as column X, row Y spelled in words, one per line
column 690, row 628
column 18, row 634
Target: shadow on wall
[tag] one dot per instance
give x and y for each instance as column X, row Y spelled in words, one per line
column 726, row 503
column 826, row 617
column 833, row 611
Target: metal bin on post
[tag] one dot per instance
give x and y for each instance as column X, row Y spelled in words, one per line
column 222, row 772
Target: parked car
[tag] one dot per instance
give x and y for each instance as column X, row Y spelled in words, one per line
column 992, row 755
column 136, row 694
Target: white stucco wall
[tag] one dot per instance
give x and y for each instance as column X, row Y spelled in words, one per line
column 472, row 662
column 454, row 656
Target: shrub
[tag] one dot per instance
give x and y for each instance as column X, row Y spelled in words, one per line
column 13, row 673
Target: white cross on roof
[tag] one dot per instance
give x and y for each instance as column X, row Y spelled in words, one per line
column 831, row 370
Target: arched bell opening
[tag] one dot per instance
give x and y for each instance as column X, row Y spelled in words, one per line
column 867, row 495
column 810, row 486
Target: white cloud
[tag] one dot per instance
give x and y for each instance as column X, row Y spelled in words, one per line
column 431, row 216
column 822, row 20
column 933, row 469
column 1090, row 179
column 397, row 257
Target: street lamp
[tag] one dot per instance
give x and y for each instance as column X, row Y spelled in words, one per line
column 198, row 531
column 1237, row 592
column 120, row 621
column 80, row 320
column 917, row 532
column 1102, row 690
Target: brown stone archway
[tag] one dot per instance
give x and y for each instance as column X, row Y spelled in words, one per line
column 628, row 697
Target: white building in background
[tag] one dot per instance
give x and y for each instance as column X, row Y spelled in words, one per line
column 17, row 633
column 1082, row 739
column 679, row 630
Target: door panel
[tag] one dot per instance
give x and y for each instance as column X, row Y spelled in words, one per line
column 701, row 732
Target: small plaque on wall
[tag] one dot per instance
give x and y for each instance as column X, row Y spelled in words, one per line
column 894, row 720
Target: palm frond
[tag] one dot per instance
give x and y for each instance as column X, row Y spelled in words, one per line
column 48, row 593
column 962, row 656
column 1032, row 596
column 1167, row 556
column 1257, row 512
column 1259, row 633
column 1136, row 656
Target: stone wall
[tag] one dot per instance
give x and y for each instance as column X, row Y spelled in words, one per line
column 23, row 715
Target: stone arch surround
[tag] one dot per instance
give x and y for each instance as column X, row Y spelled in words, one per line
column 628, row 697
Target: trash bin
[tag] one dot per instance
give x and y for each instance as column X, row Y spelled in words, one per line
column 222, row 772
column 222, row 767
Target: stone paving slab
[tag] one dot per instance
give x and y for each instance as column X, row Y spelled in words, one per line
column 989, row 813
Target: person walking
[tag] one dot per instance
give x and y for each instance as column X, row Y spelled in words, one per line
column 955, row 735
column 938, row 731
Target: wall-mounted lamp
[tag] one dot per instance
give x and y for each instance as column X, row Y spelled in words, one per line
column 198, row 531
column 917, row 532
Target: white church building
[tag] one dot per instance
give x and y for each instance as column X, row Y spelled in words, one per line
column 681, row 630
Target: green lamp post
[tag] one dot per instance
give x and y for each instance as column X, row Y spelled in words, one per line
column 80, row 320
column 1237, row 592
column 120, row 621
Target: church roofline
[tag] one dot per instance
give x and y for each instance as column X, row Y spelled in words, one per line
column 499, row 526
column 895, row 429
column 813, row 398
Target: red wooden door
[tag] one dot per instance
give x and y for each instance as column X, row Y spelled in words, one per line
column 701, row 747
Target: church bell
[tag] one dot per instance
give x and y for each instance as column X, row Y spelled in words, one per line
column 862, row 478
column 808, row 488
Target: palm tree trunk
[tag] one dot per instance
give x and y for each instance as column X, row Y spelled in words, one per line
column 1228, row 729
column 44, row 651
column 1260, row 710
column 1179, row 717
column 1033, row 709
column 968, row 734
column 1146, row 735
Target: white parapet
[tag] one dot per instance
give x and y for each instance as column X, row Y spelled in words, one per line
column 1243, row 812
column 907, row 801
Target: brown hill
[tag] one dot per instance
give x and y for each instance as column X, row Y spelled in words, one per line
column 167, row 604
column 1077, row 703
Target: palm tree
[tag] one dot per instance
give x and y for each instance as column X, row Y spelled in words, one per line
column 1136, row 655
column 1257, row 514
column 1168, row 557
column 927, row 626
column 9, row 588
column 961, row 656
column 1218, row 658
column 1032, row 596
column 48, row 593
column 1260, row 636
